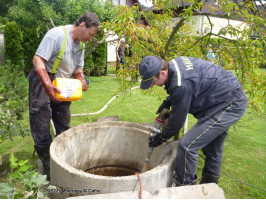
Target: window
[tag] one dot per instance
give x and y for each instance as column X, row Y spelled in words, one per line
column 260, row 2
column 123, row 2
column 119, row 2
column 116, row 2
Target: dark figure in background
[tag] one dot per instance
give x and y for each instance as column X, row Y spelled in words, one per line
column 120, row 53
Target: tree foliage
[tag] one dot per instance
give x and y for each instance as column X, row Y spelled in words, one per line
column 36, row 17
column 4, row 5
column 242, row 55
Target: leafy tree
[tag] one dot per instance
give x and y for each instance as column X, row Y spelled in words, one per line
column 35, row 17
column 243, row 56
column 4, row 5
column 34, row 13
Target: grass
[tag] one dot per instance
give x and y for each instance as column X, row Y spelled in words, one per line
column 244, row 158
column 111, row 68
column 244, row 151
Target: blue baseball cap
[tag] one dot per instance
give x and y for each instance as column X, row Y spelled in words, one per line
column 148, row 68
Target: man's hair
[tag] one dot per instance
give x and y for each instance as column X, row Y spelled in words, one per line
column 164, row 67
column 90, row 19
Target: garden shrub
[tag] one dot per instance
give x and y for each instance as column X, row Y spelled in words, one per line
column 31, row 42
column 3, row 20
column 13, row 44
column 95, row 64
column 13, row 100
column 23, row 182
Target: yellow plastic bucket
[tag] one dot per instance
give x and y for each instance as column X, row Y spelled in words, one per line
column 71, row 89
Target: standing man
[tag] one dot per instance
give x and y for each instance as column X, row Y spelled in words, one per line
column 120, row 53
column 210, row 93
column 43, row 105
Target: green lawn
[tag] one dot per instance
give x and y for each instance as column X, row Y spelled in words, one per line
column 244, row 151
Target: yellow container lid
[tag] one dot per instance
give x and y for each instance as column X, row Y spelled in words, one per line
column 71, row 89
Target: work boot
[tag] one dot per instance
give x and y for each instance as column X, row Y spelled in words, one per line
column 176, row 183
column 44, row 155
column 209, row 178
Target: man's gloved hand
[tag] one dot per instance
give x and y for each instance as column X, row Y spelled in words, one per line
column 165, row 104
column 80, row 76
column 156, row 140
column 50, row 89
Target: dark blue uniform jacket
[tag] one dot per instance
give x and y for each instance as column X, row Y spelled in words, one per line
column 198, row 87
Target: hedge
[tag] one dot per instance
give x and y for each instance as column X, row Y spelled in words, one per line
column 21, row 45
column 14, row 50
column 95, row 64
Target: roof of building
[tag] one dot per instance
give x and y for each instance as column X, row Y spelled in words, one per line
column 210, row 7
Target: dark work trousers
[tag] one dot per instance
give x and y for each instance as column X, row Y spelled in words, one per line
column 122, row 62
column 122, row 59
column 42, row 109
column 208, row 135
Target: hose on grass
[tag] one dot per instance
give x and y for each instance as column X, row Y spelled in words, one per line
column 231, row 176
column 105, row 106
column 237, row 179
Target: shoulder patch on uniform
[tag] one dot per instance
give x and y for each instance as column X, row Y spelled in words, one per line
column 188, row 64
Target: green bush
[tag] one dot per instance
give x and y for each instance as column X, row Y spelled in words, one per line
column 13, row 44
column 23, row 181
column 31, row 42
column 95, row 63
column 13, row 100
column 3, row 20
column 88, row 64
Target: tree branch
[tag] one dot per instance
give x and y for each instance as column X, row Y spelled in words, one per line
column 95, row 43
column 208, row 17
column 149, row 40
column 237, row 44
column 149, row 48
column 176, row 28
column 207, row 35
column 42, row 16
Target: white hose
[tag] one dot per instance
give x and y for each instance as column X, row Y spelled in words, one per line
column 106, row 105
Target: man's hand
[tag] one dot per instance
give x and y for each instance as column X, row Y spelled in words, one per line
column 80, row 76
column 50, row 89
column 165, row 104
column 156, row 140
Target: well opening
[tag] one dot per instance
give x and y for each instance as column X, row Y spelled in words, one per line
column 113, row 170
column 106, row 156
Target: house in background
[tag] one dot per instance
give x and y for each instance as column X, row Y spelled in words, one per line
column 119, row 2
column 201, row 23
